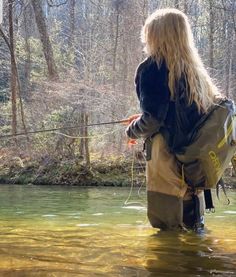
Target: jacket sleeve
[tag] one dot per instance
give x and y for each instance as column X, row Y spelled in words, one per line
column 143, row 127
column 152, row 91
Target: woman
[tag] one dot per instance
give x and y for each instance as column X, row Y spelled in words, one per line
column 174, row 91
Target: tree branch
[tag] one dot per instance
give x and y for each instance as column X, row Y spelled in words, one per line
column 5, row 39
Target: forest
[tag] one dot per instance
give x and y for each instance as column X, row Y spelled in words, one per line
column 68, row 63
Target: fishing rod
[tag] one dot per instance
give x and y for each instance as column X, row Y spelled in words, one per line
column 64, row 128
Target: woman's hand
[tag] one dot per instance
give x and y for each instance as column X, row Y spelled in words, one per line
column 128, row 121
column 131, row 118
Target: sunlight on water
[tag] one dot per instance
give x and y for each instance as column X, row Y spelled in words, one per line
column 70, row 231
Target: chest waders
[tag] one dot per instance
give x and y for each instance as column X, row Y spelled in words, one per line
column 171, row 204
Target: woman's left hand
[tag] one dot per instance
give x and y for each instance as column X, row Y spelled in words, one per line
column 131, row 118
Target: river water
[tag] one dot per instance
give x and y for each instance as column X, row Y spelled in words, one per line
column 72, row 231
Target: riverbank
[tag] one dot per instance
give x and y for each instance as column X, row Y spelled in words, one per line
column 119, row 173
column 116, row 173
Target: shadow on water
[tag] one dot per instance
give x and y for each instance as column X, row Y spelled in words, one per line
column 187, row 254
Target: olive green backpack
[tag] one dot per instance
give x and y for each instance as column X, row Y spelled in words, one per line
column 211, row 148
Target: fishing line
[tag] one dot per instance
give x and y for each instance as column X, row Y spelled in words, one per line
column 143, row 169
column 141, row 204
column 127, row 201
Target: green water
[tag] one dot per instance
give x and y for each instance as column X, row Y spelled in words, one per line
column 71, row 231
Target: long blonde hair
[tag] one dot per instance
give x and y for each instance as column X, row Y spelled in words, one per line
column 168, row 36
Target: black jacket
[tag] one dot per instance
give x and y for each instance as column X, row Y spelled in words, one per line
column 174, row 119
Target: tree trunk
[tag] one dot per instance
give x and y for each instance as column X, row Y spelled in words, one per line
column 47, row 46
column 86, row 142
column 211, row 35
column 13, row 69
column 115, row 46
column 15, row 81
column 82, row 133
column 228, row 68
column 72, row 22
column 27, row 65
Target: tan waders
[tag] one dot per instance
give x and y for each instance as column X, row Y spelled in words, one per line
column 171, row 204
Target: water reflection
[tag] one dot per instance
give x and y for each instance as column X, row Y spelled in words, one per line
column 187, row 253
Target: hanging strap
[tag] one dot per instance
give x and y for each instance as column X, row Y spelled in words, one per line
column 221, row 184
column 208, row 201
